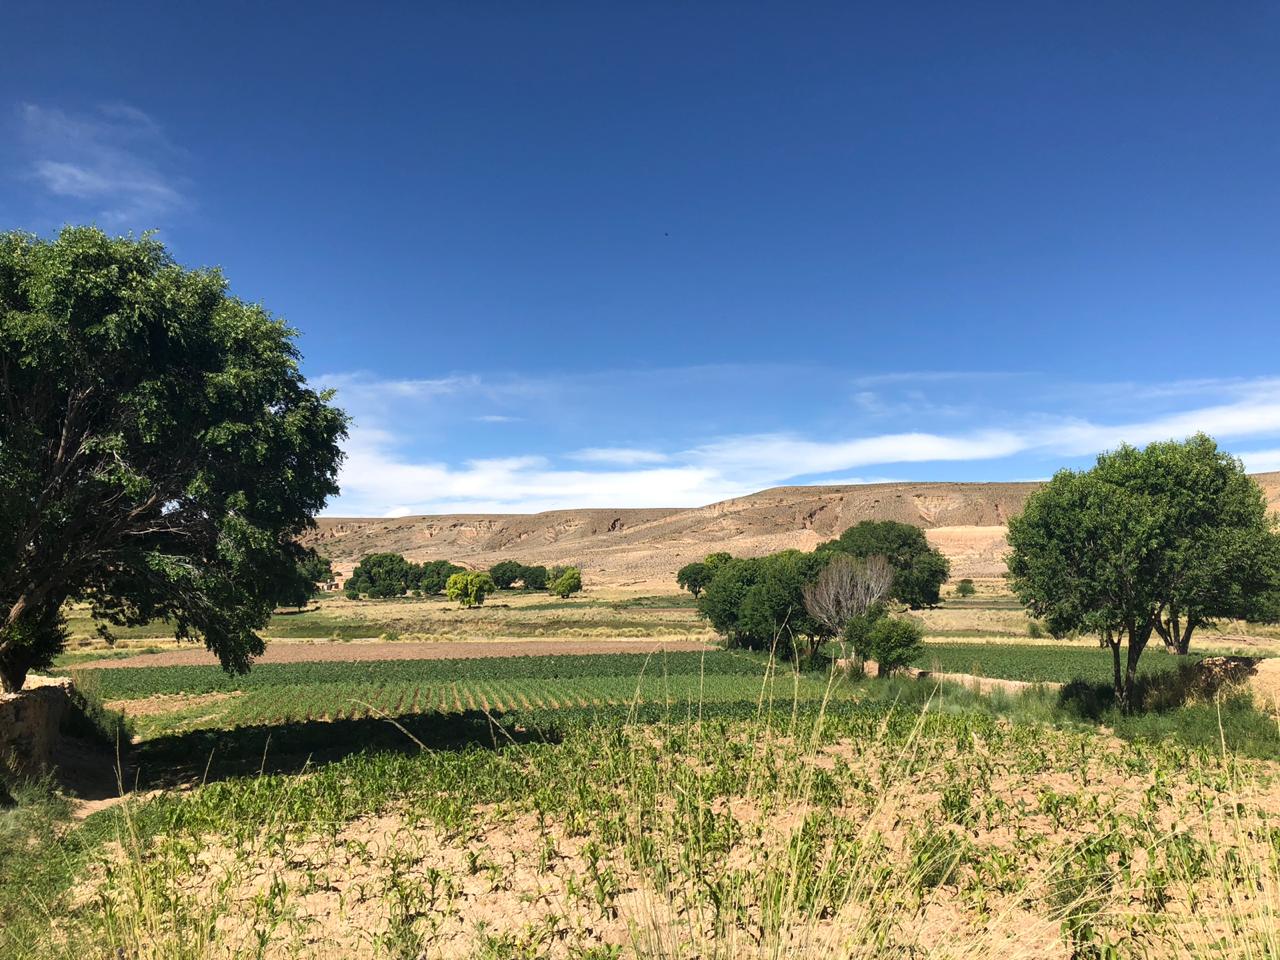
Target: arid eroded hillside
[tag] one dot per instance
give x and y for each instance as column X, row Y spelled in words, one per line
column 637, row 547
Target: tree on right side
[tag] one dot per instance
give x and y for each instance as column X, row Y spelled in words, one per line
column 1148, row 542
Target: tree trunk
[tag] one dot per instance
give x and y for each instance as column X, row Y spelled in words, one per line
column 1176, row 634
column 1184, row 642
column 1137, row 643
column 13, row 673
column 1114, row 643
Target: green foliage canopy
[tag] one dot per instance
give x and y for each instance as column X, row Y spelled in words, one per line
column 534, row 577
column 160, row 451
column 432, row 575
column 919, row 570
column 694, row 577
column 382, row 575
column 758, row 603
column 470, row 587
column 505, row 573
column 568, row 582
column 1159, row 540
column 893, row 642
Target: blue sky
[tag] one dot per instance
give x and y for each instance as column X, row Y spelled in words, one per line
column 598, row 254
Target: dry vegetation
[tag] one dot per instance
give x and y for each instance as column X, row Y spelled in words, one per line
column 861, row 831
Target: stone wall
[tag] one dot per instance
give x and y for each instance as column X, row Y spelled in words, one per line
column 29, row 723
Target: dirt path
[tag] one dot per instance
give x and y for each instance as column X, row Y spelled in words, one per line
column 333, row 651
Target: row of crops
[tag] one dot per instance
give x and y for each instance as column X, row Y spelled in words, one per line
column 130, row 682
column 340, row 701
column 606, row 673
column 270, row 694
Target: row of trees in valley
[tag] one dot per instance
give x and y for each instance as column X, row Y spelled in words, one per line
column 387, row 575
column 791, row 602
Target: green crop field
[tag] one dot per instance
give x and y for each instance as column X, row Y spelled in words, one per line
column 207, row 697
column 1038, row 663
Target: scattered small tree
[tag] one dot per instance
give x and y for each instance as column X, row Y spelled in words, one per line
column 694, row 577
column 893, row 643
column 534, row 578
column 965, row 588
column 470, row 587
column 568, row 582
column 505, row 573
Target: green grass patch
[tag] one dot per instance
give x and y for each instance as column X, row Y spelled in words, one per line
column 1035, row 663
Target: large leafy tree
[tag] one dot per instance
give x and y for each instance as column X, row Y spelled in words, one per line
column 534, row 577
column 432, row 575
column 694, row 577
column 160, row 450
column 505, row 573
column 1221, row 555
column 470, row 587
column 1140, row 544
column 919, row 569
column 759, row 603
column 383, row 575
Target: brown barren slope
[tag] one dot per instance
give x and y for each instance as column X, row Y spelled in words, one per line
column 644, row 548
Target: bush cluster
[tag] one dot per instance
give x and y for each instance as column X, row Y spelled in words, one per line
column 383, row 575
column 759, row 603
column 387, row 575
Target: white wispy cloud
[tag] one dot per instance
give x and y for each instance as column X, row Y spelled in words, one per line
column 382, row 475
column 1261, row 461
column 116, row 163
column 377, row 481
column 772, row 458
column 623, row 456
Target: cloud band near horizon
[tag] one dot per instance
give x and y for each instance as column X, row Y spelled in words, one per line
column 392, row 472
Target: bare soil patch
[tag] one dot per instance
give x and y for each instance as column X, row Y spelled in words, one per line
column 163, row 703
column 331, row 651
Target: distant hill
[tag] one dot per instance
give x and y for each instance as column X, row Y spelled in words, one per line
column 646, row 546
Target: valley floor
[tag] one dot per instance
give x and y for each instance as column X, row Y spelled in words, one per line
column 567, row 793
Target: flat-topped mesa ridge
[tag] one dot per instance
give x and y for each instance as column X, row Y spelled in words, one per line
column 642, row 547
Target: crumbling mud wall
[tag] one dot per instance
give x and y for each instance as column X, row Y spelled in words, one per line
column 30, row 722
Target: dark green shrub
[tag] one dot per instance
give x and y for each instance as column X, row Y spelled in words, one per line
column 894, row 642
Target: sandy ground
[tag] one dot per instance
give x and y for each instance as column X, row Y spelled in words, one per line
column 444, row 650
